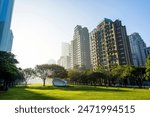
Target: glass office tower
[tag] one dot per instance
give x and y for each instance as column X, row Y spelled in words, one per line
column 6, row 35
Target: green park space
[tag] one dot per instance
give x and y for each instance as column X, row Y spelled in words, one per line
column 83, row 84
column 74, row 92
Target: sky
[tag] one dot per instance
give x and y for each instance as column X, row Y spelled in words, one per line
column 40, row 26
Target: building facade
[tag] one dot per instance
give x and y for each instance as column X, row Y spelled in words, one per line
column 138, row 49
column 65, row 59
column 65, row 49
column 148, row 51
column 80, row 48
column 110, row 45
column 6, row 35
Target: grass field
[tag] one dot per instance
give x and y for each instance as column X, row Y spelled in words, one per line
column 38, row 92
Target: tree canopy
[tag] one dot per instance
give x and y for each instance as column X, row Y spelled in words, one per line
column 148, row 68
column 28, row 73
column 8, row 69
column 50, row 70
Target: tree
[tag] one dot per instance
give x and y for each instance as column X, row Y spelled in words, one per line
column 95, row 78
column 58, row 71
column 52, row 70
column 127, row 73
column 138, row 75
column 8, row 68
column 28, row 73
column 74, row 75
column 19, row 78
column 147, row 75
column 105, row 75
column 119, row 73
column 43, row 72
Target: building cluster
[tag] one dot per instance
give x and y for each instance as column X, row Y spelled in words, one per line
column 6, row 34
column 106, row 46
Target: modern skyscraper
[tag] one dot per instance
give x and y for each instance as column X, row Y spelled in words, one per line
column 6, row 35
column 65, row 59
column 138, row 49
column 65, row 49
column 80, row 48
column 110, row 45
column 148, row 51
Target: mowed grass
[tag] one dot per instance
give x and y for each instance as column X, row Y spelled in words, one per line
column 38, row 92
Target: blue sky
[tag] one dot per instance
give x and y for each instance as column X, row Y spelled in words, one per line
column 40, row 26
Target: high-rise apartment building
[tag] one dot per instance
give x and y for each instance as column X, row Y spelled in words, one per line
column 6, row 35
column 110, row 45
column 65, row 59
column 80, row 48
column 138, row 49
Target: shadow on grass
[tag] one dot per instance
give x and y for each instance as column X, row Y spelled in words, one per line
column 81, row 88
column 23, row 94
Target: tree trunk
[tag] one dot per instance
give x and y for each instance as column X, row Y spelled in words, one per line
column 44, row 82
column 26, row 83
column 5, row 85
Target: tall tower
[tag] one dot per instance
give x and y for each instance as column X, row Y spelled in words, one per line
column 80, row 48
column 65, row 49
column 148, row 51
column 110, row 45
column 6, row 35
column 65, row 59
column 138, row 49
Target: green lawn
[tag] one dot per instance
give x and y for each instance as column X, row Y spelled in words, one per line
column 37, row 92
